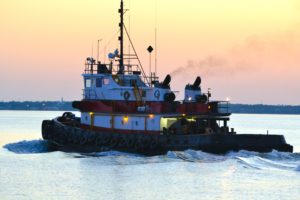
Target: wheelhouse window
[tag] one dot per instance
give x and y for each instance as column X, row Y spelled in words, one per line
column 99, row 82
column 105, row 81
column 143, row 93
column 88, row 83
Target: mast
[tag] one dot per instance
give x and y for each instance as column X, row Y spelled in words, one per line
column 121, row 25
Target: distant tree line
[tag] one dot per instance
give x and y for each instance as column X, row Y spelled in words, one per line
column 67, row 106
column 264, row 109
column 36, row 105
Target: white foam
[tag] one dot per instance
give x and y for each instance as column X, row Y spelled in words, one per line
column 111, row 153
column 195, row 156
column 172, row 154
column 241, row 153
column 25, row 147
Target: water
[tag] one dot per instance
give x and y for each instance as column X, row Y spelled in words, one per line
column 29, row 171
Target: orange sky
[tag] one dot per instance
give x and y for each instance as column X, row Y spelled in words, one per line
column 247, row 50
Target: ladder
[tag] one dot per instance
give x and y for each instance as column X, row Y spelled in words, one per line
column 137, row 94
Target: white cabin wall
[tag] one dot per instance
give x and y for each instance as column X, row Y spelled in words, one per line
column 102, row 121
column 127, row 122
column 132, row 123
column 85, row 118
column 110, row 90
column 190, row 95
column 153, row 123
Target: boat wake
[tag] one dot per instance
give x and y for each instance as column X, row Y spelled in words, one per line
column 195, row 156
column 110, row 153
column 27, row 147
column 273, row 160
column 262, row 163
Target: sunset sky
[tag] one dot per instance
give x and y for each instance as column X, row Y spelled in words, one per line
column 247, row 50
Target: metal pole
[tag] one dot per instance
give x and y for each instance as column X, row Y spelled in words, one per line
column 121, row 11
column 155, row 60
column 98, row 49
column 150, row 68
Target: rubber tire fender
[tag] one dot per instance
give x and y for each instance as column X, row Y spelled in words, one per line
column 84, row 138
column 105, row 139
column 114, row 142
column 130, row 142
column 122, row 142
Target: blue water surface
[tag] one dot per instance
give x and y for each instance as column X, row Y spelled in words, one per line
column 29, row 171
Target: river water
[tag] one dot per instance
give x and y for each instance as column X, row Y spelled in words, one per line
column 29, row 171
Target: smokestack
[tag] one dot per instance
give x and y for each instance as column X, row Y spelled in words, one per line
column 197, row 83
column 166, row 82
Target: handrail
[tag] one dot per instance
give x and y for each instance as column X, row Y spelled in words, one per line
column 223, row 105
column 89, row 68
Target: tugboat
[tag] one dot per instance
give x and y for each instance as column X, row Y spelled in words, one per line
column 124, row 109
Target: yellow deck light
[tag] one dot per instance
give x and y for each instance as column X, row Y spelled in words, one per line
column 151, row 116
column 125, row 119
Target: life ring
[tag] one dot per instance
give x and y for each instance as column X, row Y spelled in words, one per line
column 157, row 94
column 126, row 95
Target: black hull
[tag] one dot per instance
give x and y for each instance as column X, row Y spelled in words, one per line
column 70, row 138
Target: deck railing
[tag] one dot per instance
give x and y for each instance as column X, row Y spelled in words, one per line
column 223, row 106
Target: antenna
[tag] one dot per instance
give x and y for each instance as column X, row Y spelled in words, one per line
column 104, row 54
column 92, row 50
column 150, row 49
column 155, row 42
column 98, row 49
column 121, row 25
column 107, row 44
column 129, row 31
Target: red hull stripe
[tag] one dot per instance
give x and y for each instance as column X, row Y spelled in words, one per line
column 131, row 107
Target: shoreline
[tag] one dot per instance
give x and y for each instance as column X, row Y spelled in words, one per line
column 67, row 106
